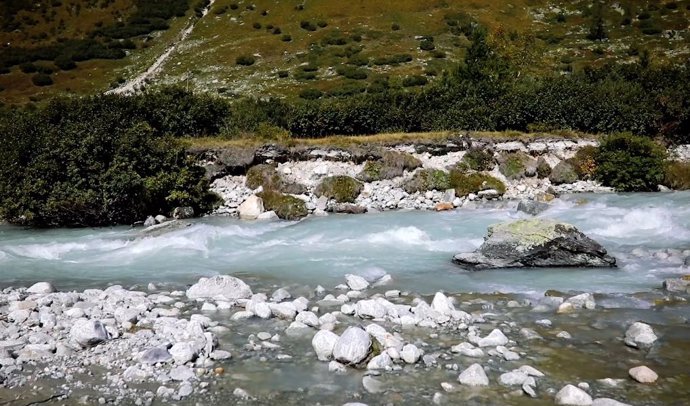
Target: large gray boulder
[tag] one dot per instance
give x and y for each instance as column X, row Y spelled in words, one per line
column 535, row 243
column 88, row 333
column 223, row 287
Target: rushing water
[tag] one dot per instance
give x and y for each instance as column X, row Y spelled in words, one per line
column 648, row 233
column 414, row 247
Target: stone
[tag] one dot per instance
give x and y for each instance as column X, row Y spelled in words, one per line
column 410, row 354
column 225, row 287
column 372, row 385
column 182, row 373
column 353, row 346
column 262, row 310
column 535, row 243
column 562, row 173
column 335, row 366
column 183, row 352
column 88, row 333
column 185, row 390
column 573, row 396
column 381, row 361
column 532, row 207
column 531, row 371
column 285, row 310
column 442, row 304
column 323, row 343
column 474, row 375
column 280, row 294
column 160, row 219
column 41, row 288
column 640, row 335
column 181, row 213
column 608, row 402
column 495, row 338
column 370, row 309
column 356, row 282
column 150, row 221
column 268, row 216
column 467, row 350
column 643, row 374
column 219, row 355
column 513, row 378
column 677, row 284
column 444, row 206
column 584, row 300
column 155, row 355
column 251, row 208
column 135, row 374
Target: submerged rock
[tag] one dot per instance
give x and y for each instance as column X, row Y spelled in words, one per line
column 535, row 243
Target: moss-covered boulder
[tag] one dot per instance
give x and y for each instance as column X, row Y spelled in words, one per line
column 517, row 165
column 391, row 165
column 286, row 207
column 543, row 168
column 584, row 162
column 267, row 176
column 264, row 175
column 563, row 173
column 535, row 243
column 428, row 179
column 343, row 189
column 479, row 159
column 475, row 182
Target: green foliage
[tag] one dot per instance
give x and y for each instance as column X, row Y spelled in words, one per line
column 630, row 163
column 391, row 165
column 310, row 93
column 393, row 59
column 264, row 175
column 343, row 189
column 245, row 60
column 41, row 79
column 65, row 62
column 427, row 45
column 428, row 179
column 466, row 183
column 677, row 175
column 543, row 169
column 513, row 165
column 479, row 159
column 414, row 80
column 351, row 72
column 286, row 207
column 584, row 162
column 73, row 168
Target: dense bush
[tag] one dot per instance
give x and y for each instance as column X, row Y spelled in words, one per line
column 41, row 79
column 677, row 175
column 245, row 60
column 92, row 170
column 479, row 159
column 630, row 163
column 343, row 189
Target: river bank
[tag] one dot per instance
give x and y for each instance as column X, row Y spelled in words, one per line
column 545, row 171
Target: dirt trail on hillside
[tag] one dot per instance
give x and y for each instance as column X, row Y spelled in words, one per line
column 135, row 84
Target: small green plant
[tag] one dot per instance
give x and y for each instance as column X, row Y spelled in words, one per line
column 584, row 162
column 286, row 38
column 630, row 163
column 428, row 179
column 414, row 80
column 310, row 94
column 466, row 183
column 41, row 79
column 479, row 159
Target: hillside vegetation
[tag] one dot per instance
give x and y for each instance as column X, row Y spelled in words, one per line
column 314, row 49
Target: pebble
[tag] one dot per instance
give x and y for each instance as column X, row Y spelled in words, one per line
column 643, row 374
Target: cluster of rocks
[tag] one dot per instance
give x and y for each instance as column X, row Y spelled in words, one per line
column 308, row 168
column 171, row 338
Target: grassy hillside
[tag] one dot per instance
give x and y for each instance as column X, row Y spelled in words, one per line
column 292, row 48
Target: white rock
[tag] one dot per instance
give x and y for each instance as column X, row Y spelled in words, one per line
column 182, row 373
column 285, row 310
column 280, row 294
column 262, row 310
column 370, row 309
column 474, row 375
column 353, row 346
column 573, row 396
column 640, row 335
column 41, row 288
column 308, row 318
column 513, row 378
column 531, row 371
column 335, row 366
column 356, row 282
column 467, row 350
column 251, row 208
column 495, row 338
column 410, row 354
column 381, row 361
column 88, row 333
column 224, row 287
column 608, row 402
column 268, row 216
column 643, row 374
column 442, row 304
column 323, row 343
column 182, row 352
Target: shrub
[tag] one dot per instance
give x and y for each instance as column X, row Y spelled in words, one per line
column 64, row 62
column 514, row 165
column 351, row 72
column 245, row 60
column 414, row 80
column 677, row 175
column 71, row 167
column 391, row 165
column 395, row 27
column 286, row 38
column 466, row 183
column 41, row 79
column 310, row 94
column 427, row 45
column 343, row 189
column 283, row 74
column 478, row 159
column 307, row 25
column 428, row 179
column 257, row 25
column 28, row 67
column 630, row 163
column 286, row 207
column 322, row 23
column 263, row 175
column 393, row 60
column 584, row 162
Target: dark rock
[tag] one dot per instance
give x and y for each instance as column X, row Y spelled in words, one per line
column 348, row 208
column 271, row 153
column 562, row 173
column 532, row 207
column 183, row 213
column 535, row 243
column 236, row 161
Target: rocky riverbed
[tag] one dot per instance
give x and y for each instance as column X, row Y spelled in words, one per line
column 355, row 342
